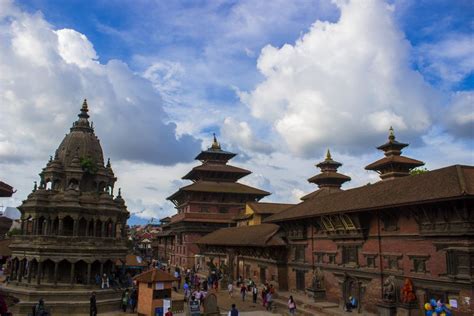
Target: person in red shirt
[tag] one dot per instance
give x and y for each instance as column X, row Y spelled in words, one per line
column 169, row 312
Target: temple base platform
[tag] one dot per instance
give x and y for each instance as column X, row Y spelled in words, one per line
column 60, row 299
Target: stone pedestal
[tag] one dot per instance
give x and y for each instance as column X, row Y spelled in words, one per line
column 407, row 309
column 317, row 294
column 387, row 309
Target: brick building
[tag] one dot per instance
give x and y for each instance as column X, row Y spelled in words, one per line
column 209, row 203
column 363, row 242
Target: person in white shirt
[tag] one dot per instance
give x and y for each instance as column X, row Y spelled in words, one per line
column 230, row 289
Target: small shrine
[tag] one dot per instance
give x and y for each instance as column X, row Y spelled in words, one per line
column 154, row 292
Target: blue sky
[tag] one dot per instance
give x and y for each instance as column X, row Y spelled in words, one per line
column 279, row 82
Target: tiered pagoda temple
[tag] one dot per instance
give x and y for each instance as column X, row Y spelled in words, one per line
column 329, row 180
column 209, row 203
column 72, row 229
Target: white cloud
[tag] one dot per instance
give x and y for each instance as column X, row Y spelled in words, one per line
column 241, row 134
column 45, row 74
column 460, row 118
column 343, row 83
column 75, row 48
column 451, row 59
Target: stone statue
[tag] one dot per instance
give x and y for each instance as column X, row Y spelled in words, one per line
column 407, row 293
column 389, row 289
column 318, row 279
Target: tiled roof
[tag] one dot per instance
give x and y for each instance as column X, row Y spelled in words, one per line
column 135, row 261
column 262, row 235
column 394, row 159
column 5, row 190
column 321, row 192
column 441, row 184
column 217, row 167
column 154, row 275
column 220, row 187
column 268, row 208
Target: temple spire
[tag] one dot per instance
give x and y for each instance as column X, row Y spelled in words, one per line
column 391, row 134
column 215, row 143
column 393, row 165
column 84, row 110
column 328, row 155
column 83, row 123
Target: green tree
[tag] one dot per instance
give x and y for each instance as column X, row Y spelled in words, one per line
column 418, row 171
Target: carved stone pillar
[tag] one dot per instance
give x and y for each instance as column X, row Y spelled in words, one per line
column 45, row 227
column 101, row 269
column 87, row 228
column 73, row 266
column 89, row 268
column 56, row 266
column 102, row 230
column 60, row 227
column 35, row 227
column 75, row 227
column 29, row 272
column 94, row 233
column 20, row 270
column 39, row 272
column 23, row 227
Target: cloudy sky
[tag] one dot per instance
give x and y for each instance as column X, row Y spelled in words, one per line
column 279, row 82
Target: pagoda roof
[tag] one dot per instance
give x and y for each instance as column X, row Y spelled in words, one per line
column 268, row 208
column 220, row 187
column 409, row 162
column 215, row 154
column 219, row 218
column 262, row 235
column 6, row 190
column 321, row 192
column 154, row 275
column 329, row 175
column 447, row 183
column 216, row 167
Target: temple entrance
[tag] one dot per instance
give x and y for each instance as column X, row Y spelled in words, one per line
column 300, row 284
column 263, row 272
column 351, row 287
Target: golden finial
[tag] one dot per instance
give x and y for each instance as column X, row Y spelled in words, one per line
column 215, row 144
column 391, row 135
column 328, row 155
column 84, row 105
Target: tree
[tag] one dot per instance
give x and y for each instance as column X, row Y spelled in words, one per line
column 418, row 171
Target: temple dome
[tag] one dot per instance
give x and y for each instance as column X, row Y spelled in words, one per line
column 81, row 142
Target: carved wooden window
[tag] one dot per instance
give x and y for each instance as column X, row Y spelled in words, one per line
column 347, row 222
column 370, row 261
column 390, row 222
column 337, row 222
column 327, row 223
column 318, row 257
column 392, row 263
column 419, row 265
column 460, row 264
column 300, row 253
column 204, row 209
column 332, row 259
column 349, row 255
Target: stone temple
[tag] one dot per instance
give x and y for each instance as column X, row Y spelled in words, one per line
column 73, row 229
